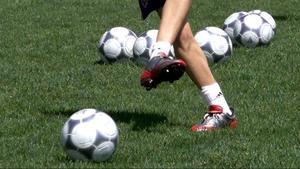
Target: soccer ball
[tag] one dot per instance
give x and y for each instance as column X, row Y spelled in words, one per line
column 253, row 30
column 116, row 44
column 143, row 46
column 89, row 135
column 229, row 24
column 215, row 43
column 268, row 17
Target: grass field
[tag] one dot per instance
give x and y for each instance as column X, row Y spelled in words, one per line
column 50, row 68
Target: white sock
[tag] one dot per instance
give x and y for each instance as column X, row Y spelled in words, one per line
column 213, row 95
column 160, row 47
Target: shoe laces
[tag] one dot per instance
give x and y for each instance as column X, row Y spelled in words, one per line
column 211, row 118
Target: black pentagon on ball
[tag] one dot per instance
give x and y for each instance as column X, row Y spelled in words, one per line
column 100, row 138
column 86, row 152
column 71, row 124
column 69, row 144
column 107, row 35
column 208, row 48
column 143, row 57
column 89, row 118
column 149, row 43
column 231, row 25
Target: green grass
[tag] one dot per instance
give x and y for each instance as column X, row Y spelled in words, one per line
column 49, row 70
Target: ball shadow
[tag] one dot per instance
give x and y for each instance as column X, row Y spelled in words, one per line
column 281, row 17
column 99, row 62
column 138, row 119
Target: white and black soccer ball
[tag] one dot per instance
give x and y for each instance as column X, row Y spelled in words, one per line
column 267, row 16
column 229, row 24
column 252, row 30
column 215, row 43
column 90, row 135
column 116, row 44
column 143, row 46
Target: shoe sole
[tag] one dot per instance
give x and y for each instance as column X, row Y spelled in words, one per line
column 170, row 73
column 232, row 125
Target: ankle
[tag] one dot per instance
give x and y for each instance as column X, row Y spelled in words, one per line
column 160, row 48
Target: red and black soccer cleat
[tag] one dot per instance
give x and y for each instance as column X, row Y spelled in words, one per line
column 160, row 69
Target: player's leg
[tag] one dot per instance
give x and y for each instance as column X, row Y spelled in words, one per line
column 219, row 114
column 172, row 17
column 174, row 26
column 161, row 67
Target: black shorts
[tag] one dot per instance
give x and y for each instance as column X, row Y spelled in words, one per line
column 147, row 6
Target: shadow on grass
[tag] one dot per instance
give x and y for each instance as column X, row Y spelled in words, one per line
column 140, row 121
column 99, row 62
column 119, row 61
column 281, row 17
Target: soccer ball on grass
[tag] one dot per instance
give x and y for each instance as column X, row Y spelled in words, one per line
column 116, row 44
column 90, row 135
column 215, row 43
column 252, row 30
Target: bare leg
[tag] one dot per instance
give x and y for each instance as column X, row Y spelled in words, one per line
column 197, row 67
column 172, row 19
column 187, row 49
column 160, row 67
column 174, row 29
column 185, row 45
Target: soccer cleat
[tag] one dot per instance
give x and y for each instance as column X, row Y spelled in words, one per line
column 160, row 69
column 214, row 119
